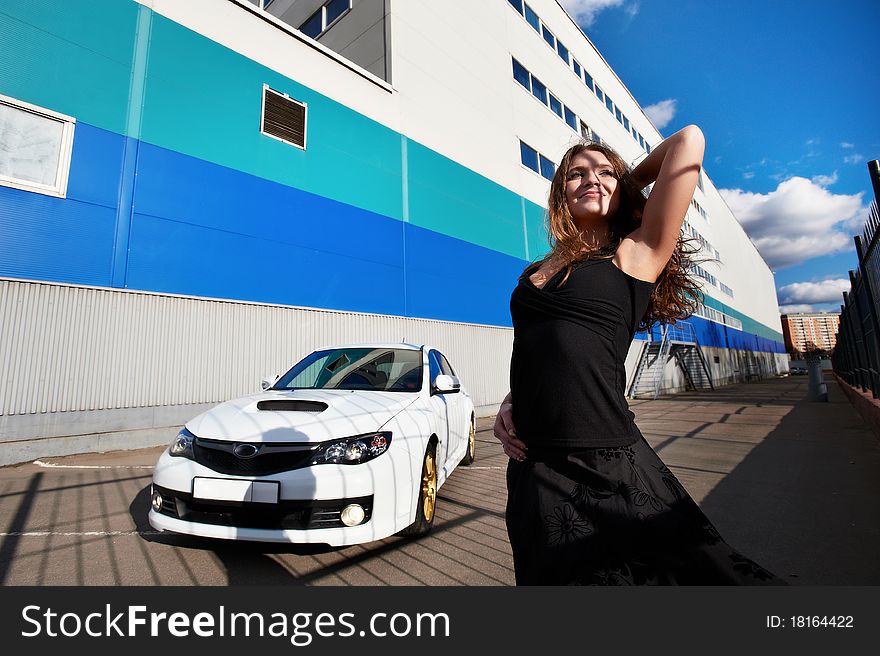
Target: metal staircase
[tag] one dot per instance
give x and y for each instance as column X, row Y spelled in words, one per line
column 680, row 342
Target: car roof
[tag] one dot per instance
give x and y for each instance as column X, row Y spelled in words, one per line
column 396, row 345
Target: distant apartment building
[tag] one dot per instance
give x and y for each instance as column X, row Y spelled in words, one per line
column 804, row 332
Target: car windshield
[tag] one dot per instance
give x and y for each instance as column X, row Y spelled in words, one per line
column 379, row 369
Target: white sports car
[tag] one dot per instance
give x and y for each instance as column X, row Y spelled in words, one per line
column 349, row 446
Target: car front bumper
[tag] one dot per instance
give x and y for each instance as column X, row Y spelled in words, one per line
column 310, row 500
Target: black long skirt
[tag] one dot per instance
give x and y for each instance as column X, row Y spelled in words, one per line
column 614, row 516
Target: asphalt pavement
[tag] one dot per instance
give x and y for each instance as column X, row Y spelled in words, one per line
column 791, row 483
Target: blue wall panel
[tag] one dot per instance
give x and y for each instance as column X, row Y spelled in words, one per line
column 66, row 240
column 206, row 195
column 455, row 280
column 96, row 166
column 710, row 333
column 176, row 257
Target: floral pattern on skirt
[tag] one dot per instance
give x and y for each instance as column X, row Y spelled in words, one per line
column 614, row 516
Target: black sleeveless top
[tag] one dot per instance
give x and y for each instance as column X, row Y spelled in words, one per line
column 567, row 372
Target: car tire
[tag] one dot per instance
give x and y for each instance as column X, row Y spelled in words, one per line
column 427, row 503
column 472, row 444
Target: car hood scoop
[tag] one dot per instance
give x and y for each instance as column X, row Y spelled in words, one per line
column 303, row 416
column 291, row 405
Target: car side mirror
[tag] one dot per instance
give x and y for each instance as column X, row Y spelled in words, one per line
column 267, row 382
column 444, row 384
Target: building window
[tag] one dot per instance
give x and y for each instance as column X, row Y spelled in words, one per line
column 600, row 94
column 535, row 161
column 517, row 4
column 548, row 36
column 334, row 9
column 529, row 156
column 585, row 131
column 618, row 115
column 35, row 147
column 609, row 105
column 520, row 74
column 532, row 18
column 533, row 84
column 324, row 18
column 588, row 80
column 596, row 137
column 539, row 90
column 562, row 51
column 283, row 118
column 577, row 68
column 626, row 123
column 548, row 168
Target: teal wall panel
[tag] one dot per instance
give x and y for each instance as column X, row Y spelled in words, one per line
column 204, row 100
column 449, row 198
column 749, row 325
column 536, row 230
column 71, row 57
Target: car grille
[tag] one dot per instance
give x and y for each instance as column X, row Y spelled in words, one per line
column 269, row 459
column 306, row 514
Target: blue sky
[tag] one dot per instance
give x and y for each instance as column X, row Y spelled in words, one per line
column 787, row 93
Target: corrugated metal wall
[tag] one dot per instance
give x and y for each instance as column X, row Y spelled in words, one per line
column 67, row 348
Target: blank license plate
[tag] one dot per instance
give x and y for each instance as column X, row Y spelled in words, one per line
column 226, row 489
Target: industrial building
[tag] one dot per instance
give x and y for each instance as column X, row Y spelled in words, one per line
column 194, row 195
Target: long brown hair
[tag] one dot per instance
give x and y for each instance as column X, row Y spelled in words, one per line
column 676, row 295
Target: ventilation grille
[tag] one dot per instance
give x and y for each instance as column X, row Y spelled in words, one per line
column 284, row 118
column 291, row 405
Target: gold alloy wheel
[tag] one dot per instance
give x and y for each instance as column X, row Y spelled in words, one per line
column 429, row 487
column 472, row 440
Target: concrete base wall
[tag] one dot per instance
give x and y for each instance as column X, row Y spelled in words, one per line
column 32, row 436
column 864, row 402
column 726, row 367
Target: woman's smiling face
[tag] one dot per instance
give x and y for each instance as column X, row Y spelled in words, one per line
column 592, row 191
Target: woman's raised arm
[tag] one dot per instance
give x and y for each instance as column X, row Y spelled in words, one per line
column 674, row 167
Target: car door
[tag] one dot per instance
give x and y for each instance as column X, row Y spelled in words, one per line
column 440, row 406
column 456, row 409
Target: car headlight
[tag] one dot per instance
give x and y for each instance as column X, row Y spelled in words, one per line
column 182, row 446
column 352, row 450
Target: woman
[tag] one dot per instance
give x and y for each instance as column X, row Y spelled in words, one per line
column 589, row 501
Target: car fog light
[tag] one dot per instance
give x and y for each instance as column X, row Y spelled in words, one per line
column 352, row 515
column 157, row 502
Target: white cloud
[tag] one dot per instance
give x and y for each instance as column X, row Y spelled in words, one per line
column 854, row 158
column 748, row 175
column 792, row 309
column 661, row 112
column 632, row 10
column 585, row 11
column 797, row 221
column 845, row 144
column 824, row 291
column 825, row 180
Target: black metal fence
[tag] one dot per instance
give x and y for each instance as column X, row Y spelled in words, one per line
column 856, row 357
